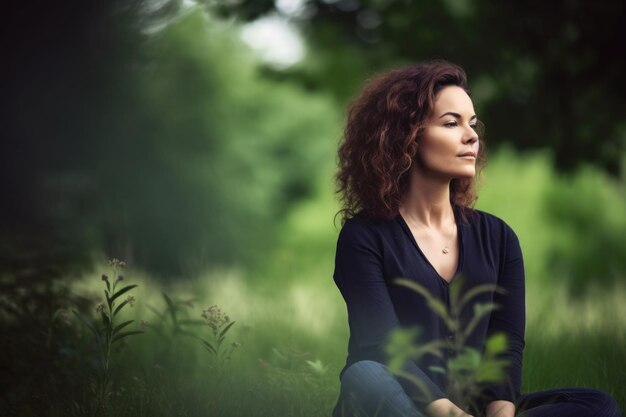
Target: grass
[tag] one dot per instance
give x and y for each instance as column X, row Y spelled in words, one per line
column 573, row 342
column 292, row 325
column 570, row 342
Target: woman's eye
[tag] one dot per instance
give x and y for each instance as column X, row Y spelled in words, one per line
column 474, row 126
column 450, row 124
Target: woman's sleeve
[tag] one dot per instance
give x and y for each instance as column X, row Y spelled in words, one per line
column 359, row 276
column 510, row 319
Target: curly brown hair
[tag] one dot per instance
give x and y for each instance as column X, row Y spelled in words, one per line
column 384, row 126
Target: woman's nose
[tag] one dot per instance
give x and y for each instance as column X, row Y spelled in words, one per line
column 471, row 135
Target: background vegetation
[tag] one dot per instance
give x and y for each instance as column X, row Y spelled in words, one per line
column 147, row 131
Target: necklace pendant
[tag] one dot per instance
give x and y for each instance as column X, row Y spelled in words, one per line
column 445, row 250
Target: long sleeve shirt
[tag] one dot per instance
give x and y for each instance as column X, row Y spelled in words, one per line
column 372, row 254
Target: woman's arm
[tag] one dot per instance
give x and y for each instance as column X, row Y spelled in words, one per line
column 371, row 314
column 509, row 319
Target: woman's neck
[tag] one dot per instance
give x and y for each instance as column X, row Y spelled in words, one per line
column 427, row 201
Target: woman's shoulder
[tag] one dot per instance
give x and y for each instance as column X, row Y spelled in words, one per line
column 360, row 227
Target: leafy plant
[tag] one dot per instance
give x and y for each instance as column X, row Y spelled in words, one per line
column 317, row 367
column 220, row 324
column 109, row 332
column 287, row 370
column 174, row 318
column 467, row 370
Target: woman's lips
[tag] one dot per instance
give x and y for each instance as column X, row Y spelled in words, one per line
column 469, row 155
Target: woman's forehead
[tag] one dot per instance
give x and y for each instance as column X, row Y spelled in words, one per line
column 453, row 99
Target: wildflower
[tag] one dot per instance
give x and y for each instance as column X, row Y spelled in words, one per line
column 216, row 319
column 104, row 277
column 130, row 300
column 116, row 263
column 144, row 323
column 120, row 277
column 100, row 308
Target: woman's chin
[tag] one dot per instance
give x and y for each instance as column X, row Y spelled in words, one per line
column 465, row 174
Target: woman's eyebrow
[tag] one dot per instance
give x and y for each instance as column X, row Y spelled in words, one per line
column 455, row 115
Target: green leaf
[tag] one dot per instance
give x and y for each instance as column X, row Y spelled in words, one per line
column 225, row 329
column 155, row 311
column 121, row 326
column 123, row 291
column 105, row 319
column 480, row 310
column 86, row 323
column 119, row 307
column 455, row 290
column 491, row 371
column 439, row 308
column 434, row 347
column 467, row 360
column 437, row 369
column 467, row 297
column 208, row 346
column 317, row 367
column 496, row 344
column 396, row 364
column 171, row 308
column 401, row 346
column 436, row 305
column 414, row 286
column 125, row 334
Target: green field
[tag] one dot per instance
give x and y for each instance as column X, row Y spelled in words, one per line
column 291, row 323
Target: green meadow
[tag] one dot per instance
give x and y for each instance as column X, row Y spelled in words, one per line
column 291, row 324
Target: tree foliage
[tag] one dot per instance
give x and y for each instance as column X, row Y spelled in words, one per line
column 544, row 74
column 147, row 132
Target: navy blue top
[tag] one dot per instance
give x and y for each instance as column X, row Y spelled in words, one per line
column 371, row 254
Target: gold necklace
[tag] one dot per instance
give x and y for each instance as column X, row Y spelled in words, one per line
column 445, row 249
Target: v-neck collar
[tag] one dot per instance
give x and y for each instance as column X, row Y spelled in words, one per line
column 459, row 228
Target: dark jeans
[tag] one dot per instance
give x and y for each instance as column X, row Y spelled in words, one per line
column 368, row 389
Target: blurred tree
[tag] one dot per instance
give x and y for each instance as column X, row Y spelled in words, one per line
column 587, row 249
column 62, row 63
column 144, row 129
column 544, row 74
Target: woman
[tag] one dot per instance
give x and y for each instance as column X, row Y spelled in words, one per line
column 407, row 164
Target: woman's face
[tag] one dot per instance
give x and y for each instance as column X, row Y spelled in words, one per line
column 449, row 145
